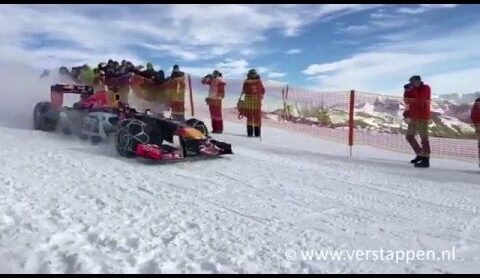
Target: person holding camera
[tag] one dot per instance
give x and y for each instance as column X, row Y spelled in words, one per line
column 417, row 114
column 216, row 92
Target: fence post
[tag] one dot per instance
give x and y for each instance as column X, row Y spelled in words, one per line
column 284, row 117
column 286, row 105
column 191, row 95
column 351, row 120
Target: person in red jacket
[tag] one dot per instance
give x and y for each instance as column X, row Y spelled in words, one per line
column 417, row 97
column 254, row 91
column 475, row 117
column 216, row 93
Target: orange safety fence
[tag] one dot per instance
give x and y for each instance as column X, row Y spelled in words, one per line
column 354, row 118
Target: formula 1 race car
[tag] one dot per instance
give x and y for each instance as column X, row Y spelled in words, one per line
column 137, row 134
column 155, row 138
column 90, row 118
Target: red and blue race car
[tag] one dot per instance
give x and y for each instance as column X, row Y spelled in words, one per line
column 136, row 134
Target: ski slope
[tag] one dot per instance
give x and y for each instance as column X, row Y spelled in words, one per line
column 69, row 207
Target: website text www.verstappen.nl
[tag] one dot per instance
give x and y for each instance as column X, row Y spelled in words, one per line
column 382, row 255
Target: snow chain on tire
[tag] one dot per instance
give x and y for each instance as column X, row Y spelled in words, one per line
column 128, row 138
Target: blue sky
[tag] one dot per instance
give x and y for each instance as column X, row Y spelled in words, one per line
column 366, row 47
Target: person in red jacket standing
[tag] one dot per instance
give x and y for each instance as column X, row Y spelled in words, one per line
column 475, row 116
column 417, row 97
column 216, row 93
column 254, row 91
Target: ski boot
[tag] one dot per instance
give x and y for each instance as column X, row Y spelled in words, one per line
column 249, row 130
column 416, row 159
column 257, row 131
column 423, row 163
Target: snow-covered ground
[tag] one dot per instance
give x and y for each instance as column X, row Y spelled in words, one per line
column 69, row 207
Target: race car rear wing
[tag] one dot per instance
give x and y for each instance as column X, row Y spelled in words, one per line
column 58, row 90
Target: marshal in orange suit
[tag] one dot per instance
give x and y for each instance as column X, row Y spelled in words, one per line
column 254, row 91
column 216, row 93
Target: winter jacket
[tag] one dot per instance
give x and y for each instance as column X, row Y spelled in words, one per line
column 254, row 91
column 418, row 102
column 253, row 87
column 475, row 114
column 217, row 87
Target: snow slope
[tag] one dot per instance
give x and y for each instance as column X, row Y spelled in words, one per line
column 68, row 207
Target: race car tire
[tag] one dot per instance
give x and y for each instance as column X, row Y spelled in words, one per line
column 40, row 121
column 64, row 123
column 131, row 133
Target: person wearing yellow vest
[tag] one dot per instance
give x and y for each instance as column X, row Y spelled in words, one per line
column 254, row 91
column 177, row 93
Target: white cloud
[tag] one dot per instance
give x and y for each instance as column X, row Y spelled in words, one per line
column 379, row 23
column 233, row 69
column 173, row 50
column 392, row 23
column 461, row 81
column 355, row 28
column 270, row 82
column 386, row 67
column 262, row 70
column 439, row 5
column 247, row 52
column 328, row 67
column 405, row 10
column 293, row 51
column 199, row 71
column 186, row 32
column 276, row 74
column 382, row 20
column 424, row 8
column 369, row 71
column 294, row 18
column 380, row 13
